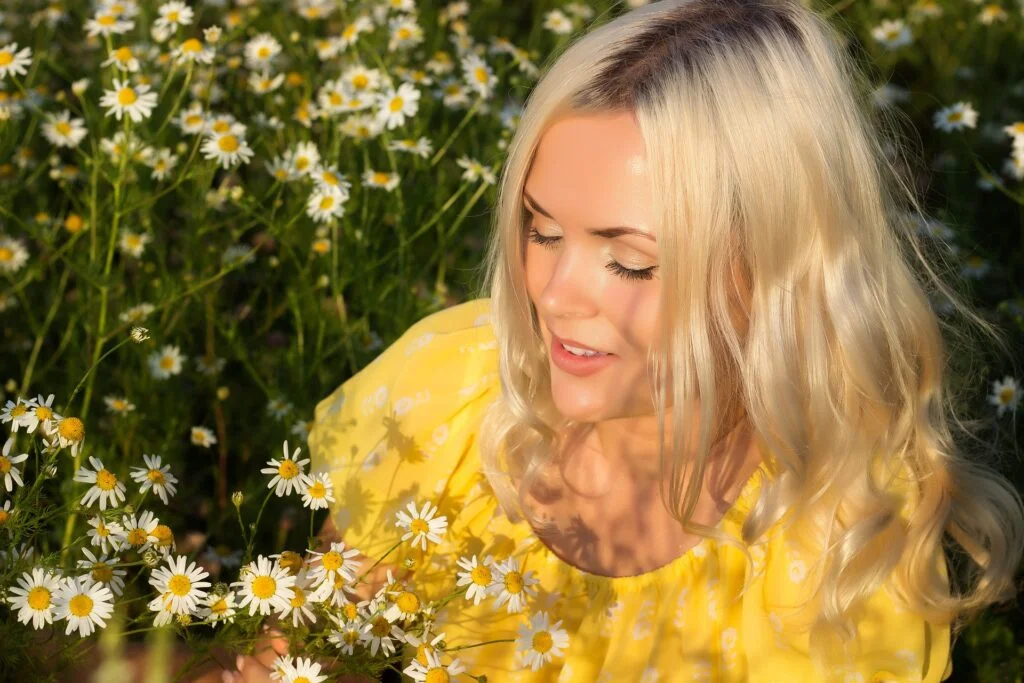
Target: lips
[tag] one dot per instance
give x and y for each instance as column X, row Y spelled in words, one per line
column 575, row 344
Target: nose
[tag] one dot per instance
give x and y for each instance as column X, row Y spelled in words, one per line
column 570, row 292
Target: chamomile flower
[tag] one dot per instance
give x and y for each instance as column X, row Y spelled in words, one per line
column 512, row 586
column 173, row 14
column 477, row 576
column 219, row 608
column 139, row 533
column 405, row 606
column 192, row 51
column 1005, row 395
column 433, row 670
column 319, row 492
column 35, row 597
column 191, row 121
column 330, row 178
column 182, row 589
column 265, row 586
column 162, row 163
column 135, row 101
column 557, row 22
column 303, row 670
column 299, row 605
column 280, row 167
column 956, row 117
column 263, row 82
column 479, row 75
column 133, row 243
column 136, row 313
column 305, row 158
column 202, row 436
column 261, row 50
column 101, row 570
column 288, row 475
column 228, row 148
column 421, row 147
column 13, row 61
column 346, row 636
column 394, row 106
column 336, row 562
column 350, row 34
column 540, row 641
column 63, row 131
column 381, row 634
column 11, row 474
column 106, row 23
column 106, row 488
column 421, row 525
column 892, row 33
column 122, row 58
column 17, row 413
column 474, row 170
column 105, row 535
column 85, row 604
column 380, row 179
column 166, row 362
column 5, row 512
column 13, row 255
column 325, row 206
column 155, row 477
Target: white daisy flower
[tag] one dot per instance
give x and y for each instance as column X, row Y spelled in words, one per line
column 301, row 427
column 299, row 605
column 173, row 14
column 288, row 475
column 303, row 670
column 512, row 586
column 350, row 34
column 135, row 101
column 138, row 533
column 405, row 606
column 13, row 254
column 381, row 635
column 122, row 58
column 156, row 477
column 67, row 432
column 105, row 486
column 278, row 408
column 479, row 75
column 5, row 512
column 163, row 163
column 105, row 535
column 35, row 597
column 991, row 13
column 405, row 33
column 41, row 414
column 181, row 588
column 261, row 50
column 11, row 474
column 227, row 148
column 381, row 179
column 975, row 267
column 1005, row 395
column 265, row 586
column 557, row 22
column 133, row 243
column 101, row 571
column 394, row 106
column 202, row 436
column 330, row 178
column 263, row 82
column 17, row 412
column 892, row 33
column 336, row 563
column 13, row 61
column 191, row 121
column 363, row 127
column 305, row 158
column 219, row 608
column 540, row 641
column 84, row 603
column 280, row 167
column 324, row 206
column 63, row 131
column 360, row 79
column 191, row 51
column 107, row 23
column 474, row 170
column 137, row 313
column 346, row 636
column 420, row 525
column 433, row 670
column 477, row 576
column 166, row 362
column 421, row 148
column 956, row 117
column 319, row 492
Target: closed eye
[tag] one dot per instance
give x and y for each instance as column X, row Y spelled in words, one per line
column 613, row 266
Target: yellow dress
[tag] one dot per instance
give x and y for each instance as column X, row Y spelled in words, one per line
column 403, row 430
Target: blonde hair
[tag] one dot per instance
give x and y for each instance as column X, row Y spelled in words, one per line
column 764, row 151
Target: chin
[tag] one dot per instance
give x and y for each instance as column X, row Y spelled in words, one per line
column 571, row 407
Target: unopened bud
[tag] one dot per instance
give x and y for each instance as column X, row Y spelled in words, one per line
column 139, row 334
column 151, row 558
column 236, row 497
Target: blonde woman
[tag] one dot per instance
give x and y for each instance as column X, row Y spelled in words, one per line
column 695, row 426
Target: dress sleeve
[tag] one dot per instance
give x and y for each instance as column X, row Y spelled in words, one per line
column 394, row 432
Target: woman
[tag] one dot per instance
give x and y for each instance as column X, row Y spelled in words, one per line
column 694, row 427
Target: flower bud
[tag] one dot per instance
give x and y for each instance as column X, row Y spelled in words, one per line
column 236, row 497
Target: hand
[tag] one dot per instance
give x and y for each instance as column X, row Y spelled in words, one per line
column 256, row 668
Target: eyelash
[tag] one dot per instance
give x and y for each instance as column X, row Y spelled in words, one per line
column 613, row 266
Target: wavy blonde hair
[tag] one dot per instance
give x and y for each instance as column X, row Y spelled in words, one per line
column 764, row 151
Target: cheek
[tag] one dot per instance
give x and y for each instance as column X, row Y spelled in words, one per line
column 538, row 271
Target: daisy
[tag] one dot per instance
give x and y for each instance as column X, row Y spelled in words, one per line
column 13, row 254
column 163, row 163
column 420, row 525
column 63, row 131
column 336, row 563
column 324, row 206
column 405, row 607
column 262, row 83
column 346, row 637
column 173, row 14
column 557, row 22
column 139, row 533
column 166, row 362
column 288, row 474
column 1005, row 394
column 301, row 427
column 387, row 181
column 330, row 178
column 361, row 127
column 202, row 436
column 305, row 158
column 303, row 670
column 976, row 267
column 135, row 101
column 474, row 170
column 265, row 586
column 280, row 667
column 133, row 243
column 405, row 32
column 14, row 62
column 350, row 34
column 219, row 608
column 479, row 75
column 35, row 596
column 180, row 587
column 227, row 148
column 512, row 586
column 107, row 23
column 105, row 486
column 105, row 535
column 433, row 670
column 299, row 604
column 192, row 120
column 122, row 58
column 892, row 33
column 10, row 473
column 396, row 105
column 381, row 634
column 101, row 571
column 261, row 50
column 17, row 412
column 137, row 313
column 360, row 79
column 958, row 116
column 280, row 167
column 540, row 641
column 84, row 603
column 5, row 512
column 318, row 492
column 210, row 367
column 991, row 13
column 191, row 51
column 454, row 93
column 421, row 148
column 67, row 432
column 156, row 477
column 477, row 576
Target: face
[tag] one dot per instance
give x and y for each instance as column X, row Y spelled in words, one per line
column 592, row 264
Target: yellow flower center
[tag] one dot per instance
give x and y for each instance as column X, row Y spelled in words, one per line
column 219, row 607
column 299, row 599
column 19, row 410
column 5, row 465
column 163, row 534
column 228, row 143
column 542, row 642
column 264, row 587
column 63, row 127
column 167, row 362
column 123, row 54
column 350, row 611
column 72, row 429
column 1006, row 395
column 956, row 116
column 4, row 516
column 291, row 561
column 133, row 241
column 437, row 675
column 396, row 104
column 481, row 74
column 102, row 530
column 380, row 178
column 193, row 120
column 191, row 45
column 360, row 81
column 381, row 627
column 481, row 576
column 126, row 97
column 335, row 99
column 408, row 602
column 331, row 561
column 80, row 605
column 6, row 57
column 350, row 32
column 288, row 469
column 325, row 204
column 102, row 572
column 43, row 413
column 156, row 476
column 180, row 585
column 106, row 20
column 317, row 490
column 39, row 598
column 172, row 16
column 263, row 52
column 137, row 536
column 419, row 526
column 300, row 679
column 514, row 582
column 302, row 163
column 404, row 33
column 221, row 126
column 105, row 480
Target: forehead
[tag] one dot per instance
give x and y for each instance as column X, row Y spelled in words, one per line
column 588, row 164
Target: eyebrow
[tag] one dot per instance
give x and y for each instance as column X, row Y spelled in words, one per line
column 611, row 232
